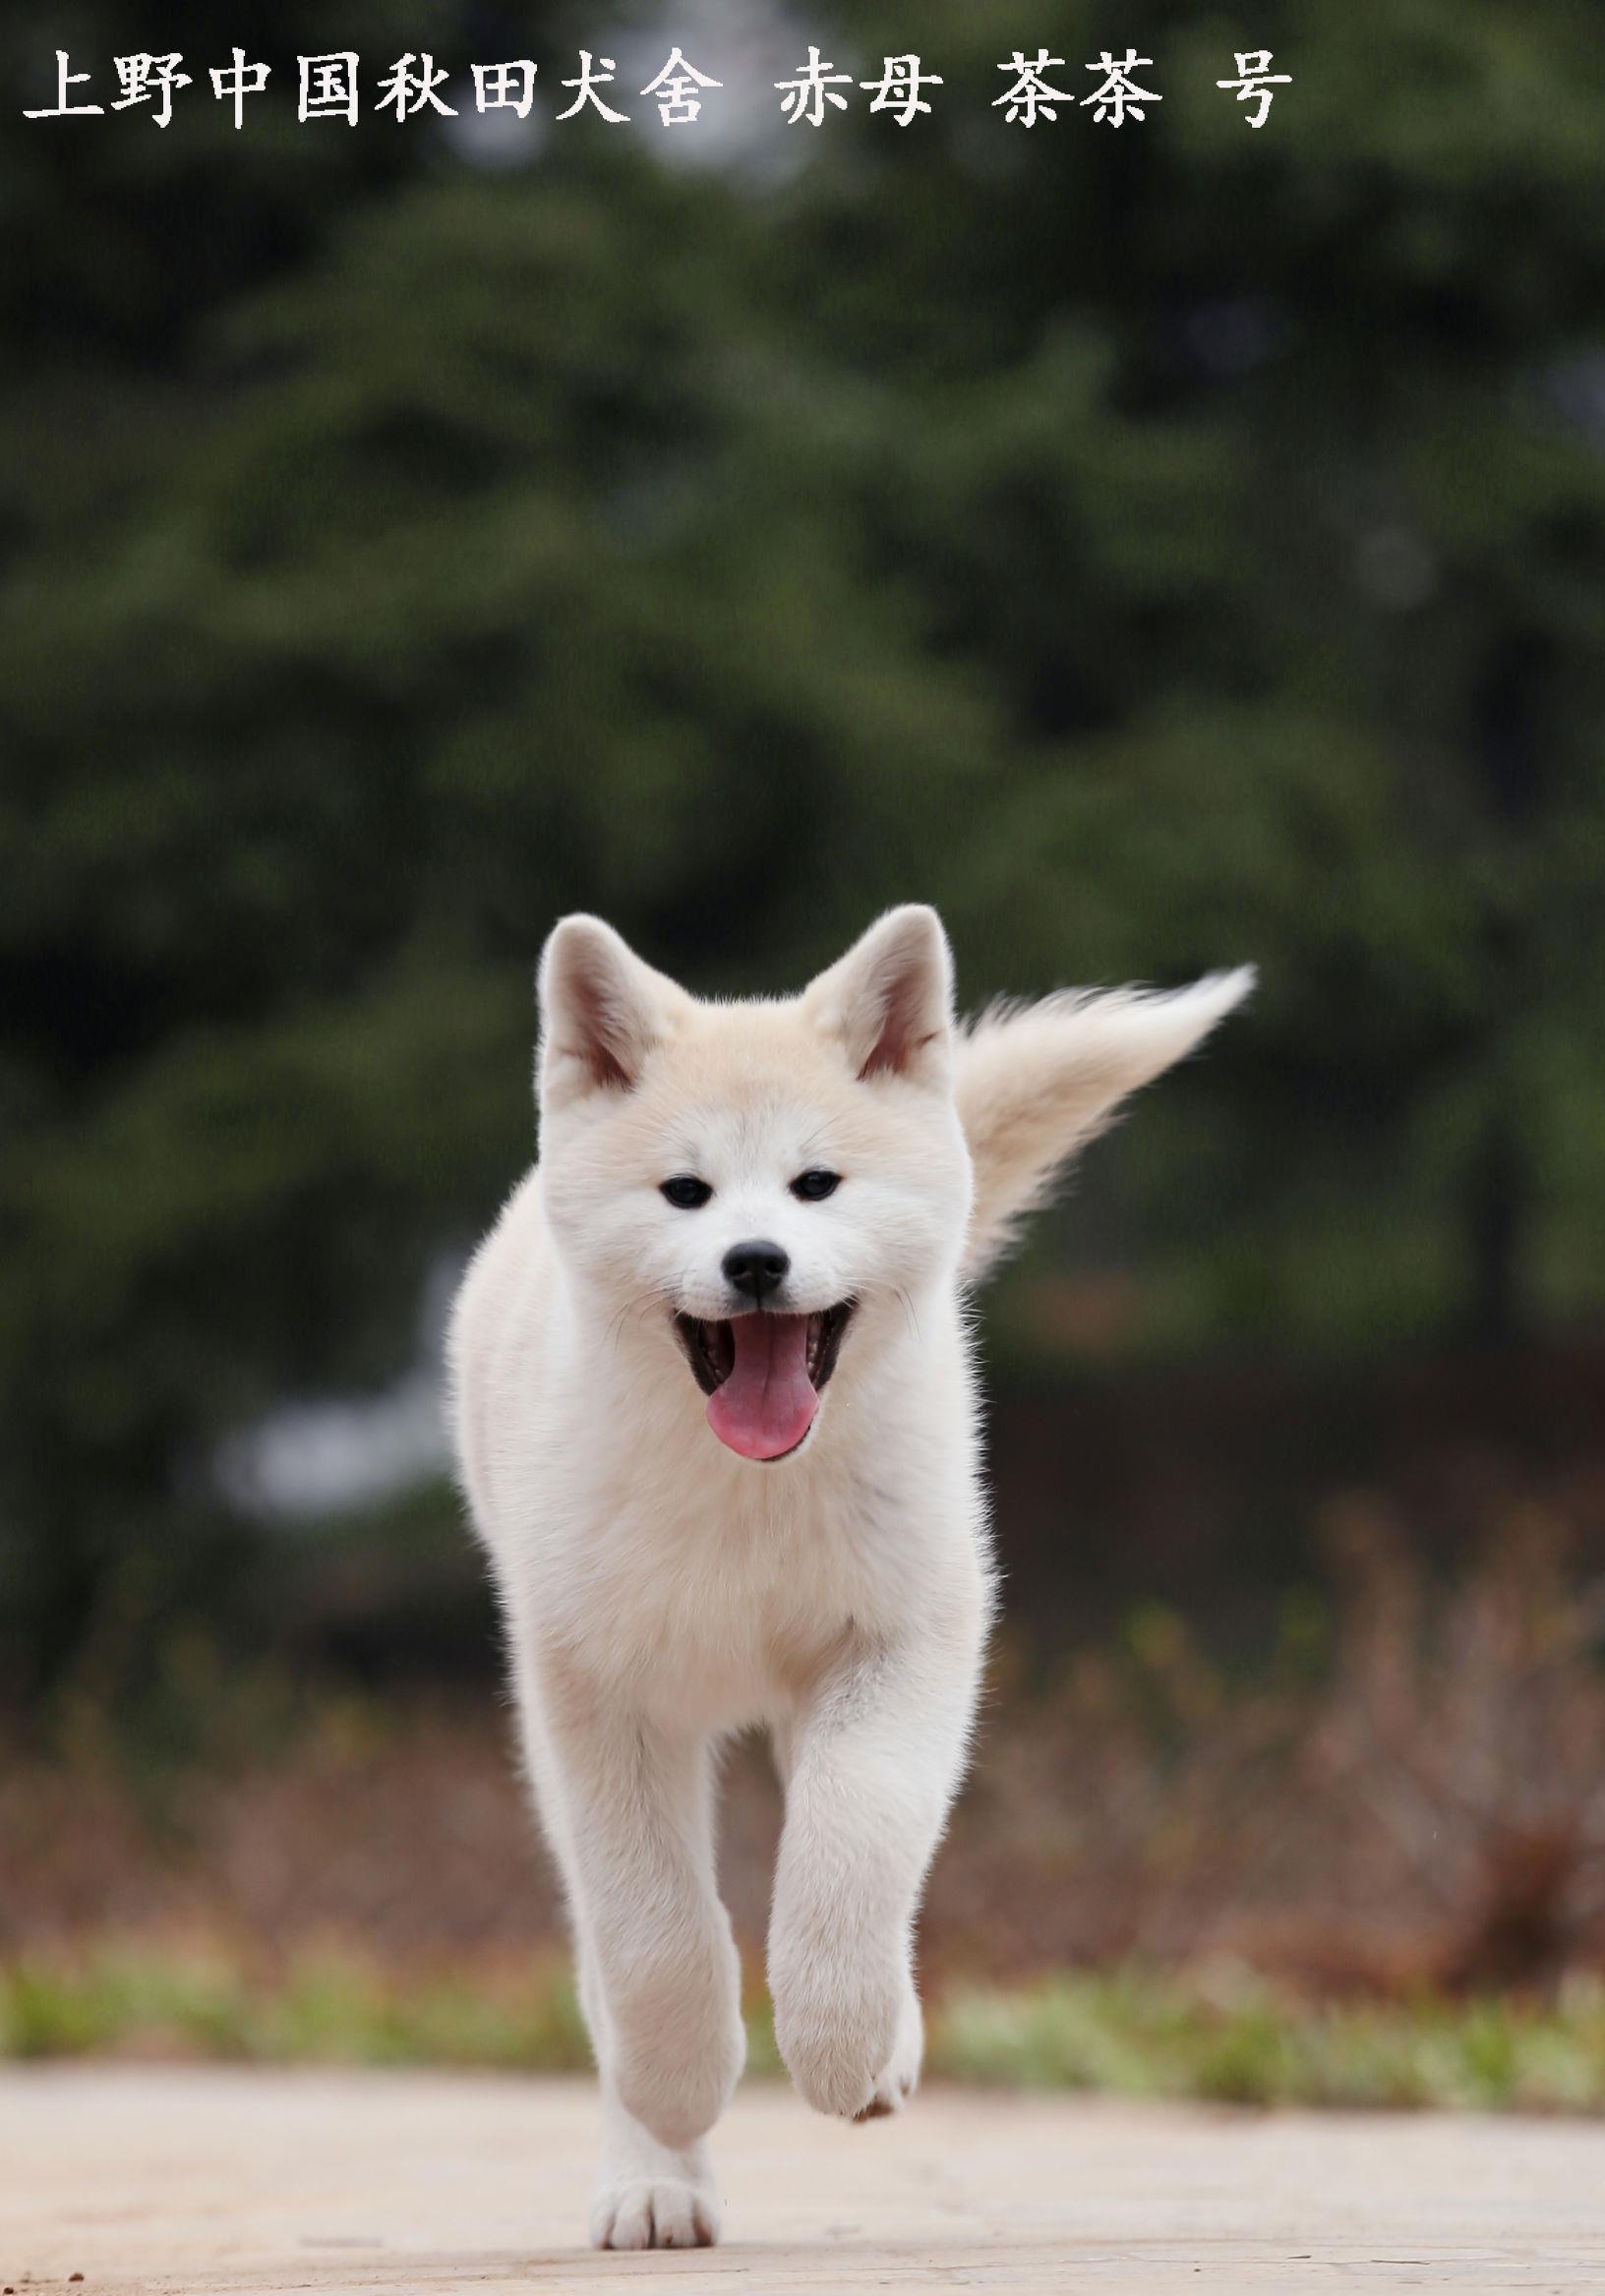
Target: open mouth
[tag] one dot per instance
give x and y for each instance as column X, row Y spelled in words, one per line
column 763, row 1373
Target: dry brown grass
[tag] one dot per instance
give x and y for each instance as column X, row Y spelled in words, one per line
column 1422, row 1804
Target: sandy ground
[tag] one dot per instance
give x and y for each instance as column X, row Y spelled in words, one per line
column 210, row 2182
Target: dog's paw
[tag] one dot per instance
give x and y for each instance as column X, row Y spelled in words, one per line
column 900, row 2076
column 839, row 2035
column 658, row 2211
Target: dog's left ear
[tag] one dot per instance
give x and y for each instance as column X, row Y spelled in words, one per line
column 603, row 1012
column 889, row 1001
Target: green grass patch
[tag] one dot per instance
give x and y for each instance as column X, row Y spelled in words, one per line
column 1229, row 2038
column 1238, row 2040
column 326, row 2007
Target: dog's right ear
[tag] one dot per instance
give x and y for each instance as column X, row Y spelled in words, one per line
column 602, row 1010
column 888, row 1003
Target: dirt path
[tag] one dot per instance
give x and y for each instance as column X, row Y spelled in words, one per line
column 210, row 2182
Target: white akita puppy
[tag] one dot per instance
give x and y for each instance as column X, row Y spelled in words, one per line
column 717, row 1421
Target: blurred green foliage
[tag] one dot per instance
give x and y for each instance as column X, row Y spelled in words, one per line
column 1222, row 2035
column 321, row 2007
column 1158, row 549
column 1236, row 2040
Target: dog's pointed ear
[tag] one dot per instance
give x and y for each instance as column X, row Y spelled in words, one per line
column 889, row 1001
column 602, row 1010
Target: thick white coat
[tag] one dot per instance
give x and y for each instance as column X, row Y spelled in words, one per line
column 660, row 1592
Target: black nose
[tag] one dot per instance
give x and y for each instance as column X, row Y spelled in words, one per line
column 756, row 1269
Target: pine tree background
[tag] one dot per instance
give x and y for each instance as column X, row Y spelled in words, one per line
column 1158, row 549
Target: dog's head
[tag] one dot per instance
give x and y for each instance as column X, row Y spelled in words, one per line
column 755, row 1176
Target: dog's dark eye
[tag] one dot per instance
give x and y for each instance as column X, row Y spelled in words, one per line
column 685, row 1191
column 813, row 1187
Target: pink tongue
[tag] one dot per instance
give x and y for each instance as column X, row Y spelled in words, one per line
column 767, row 1405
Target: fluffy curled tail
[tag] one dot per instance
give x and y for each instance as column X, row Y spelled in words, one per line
column 1035, row 1082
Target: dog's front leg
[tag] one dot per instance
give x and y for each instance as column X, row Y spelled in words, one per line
column 627, row 1805
column 871, row 1764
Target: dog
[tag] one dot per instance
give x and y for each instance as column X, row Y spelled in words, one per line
column 717, row 1423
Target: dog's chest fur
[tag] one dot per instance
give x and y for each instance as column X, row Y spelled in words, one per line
column 690, row 1579
column 721, row 1604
